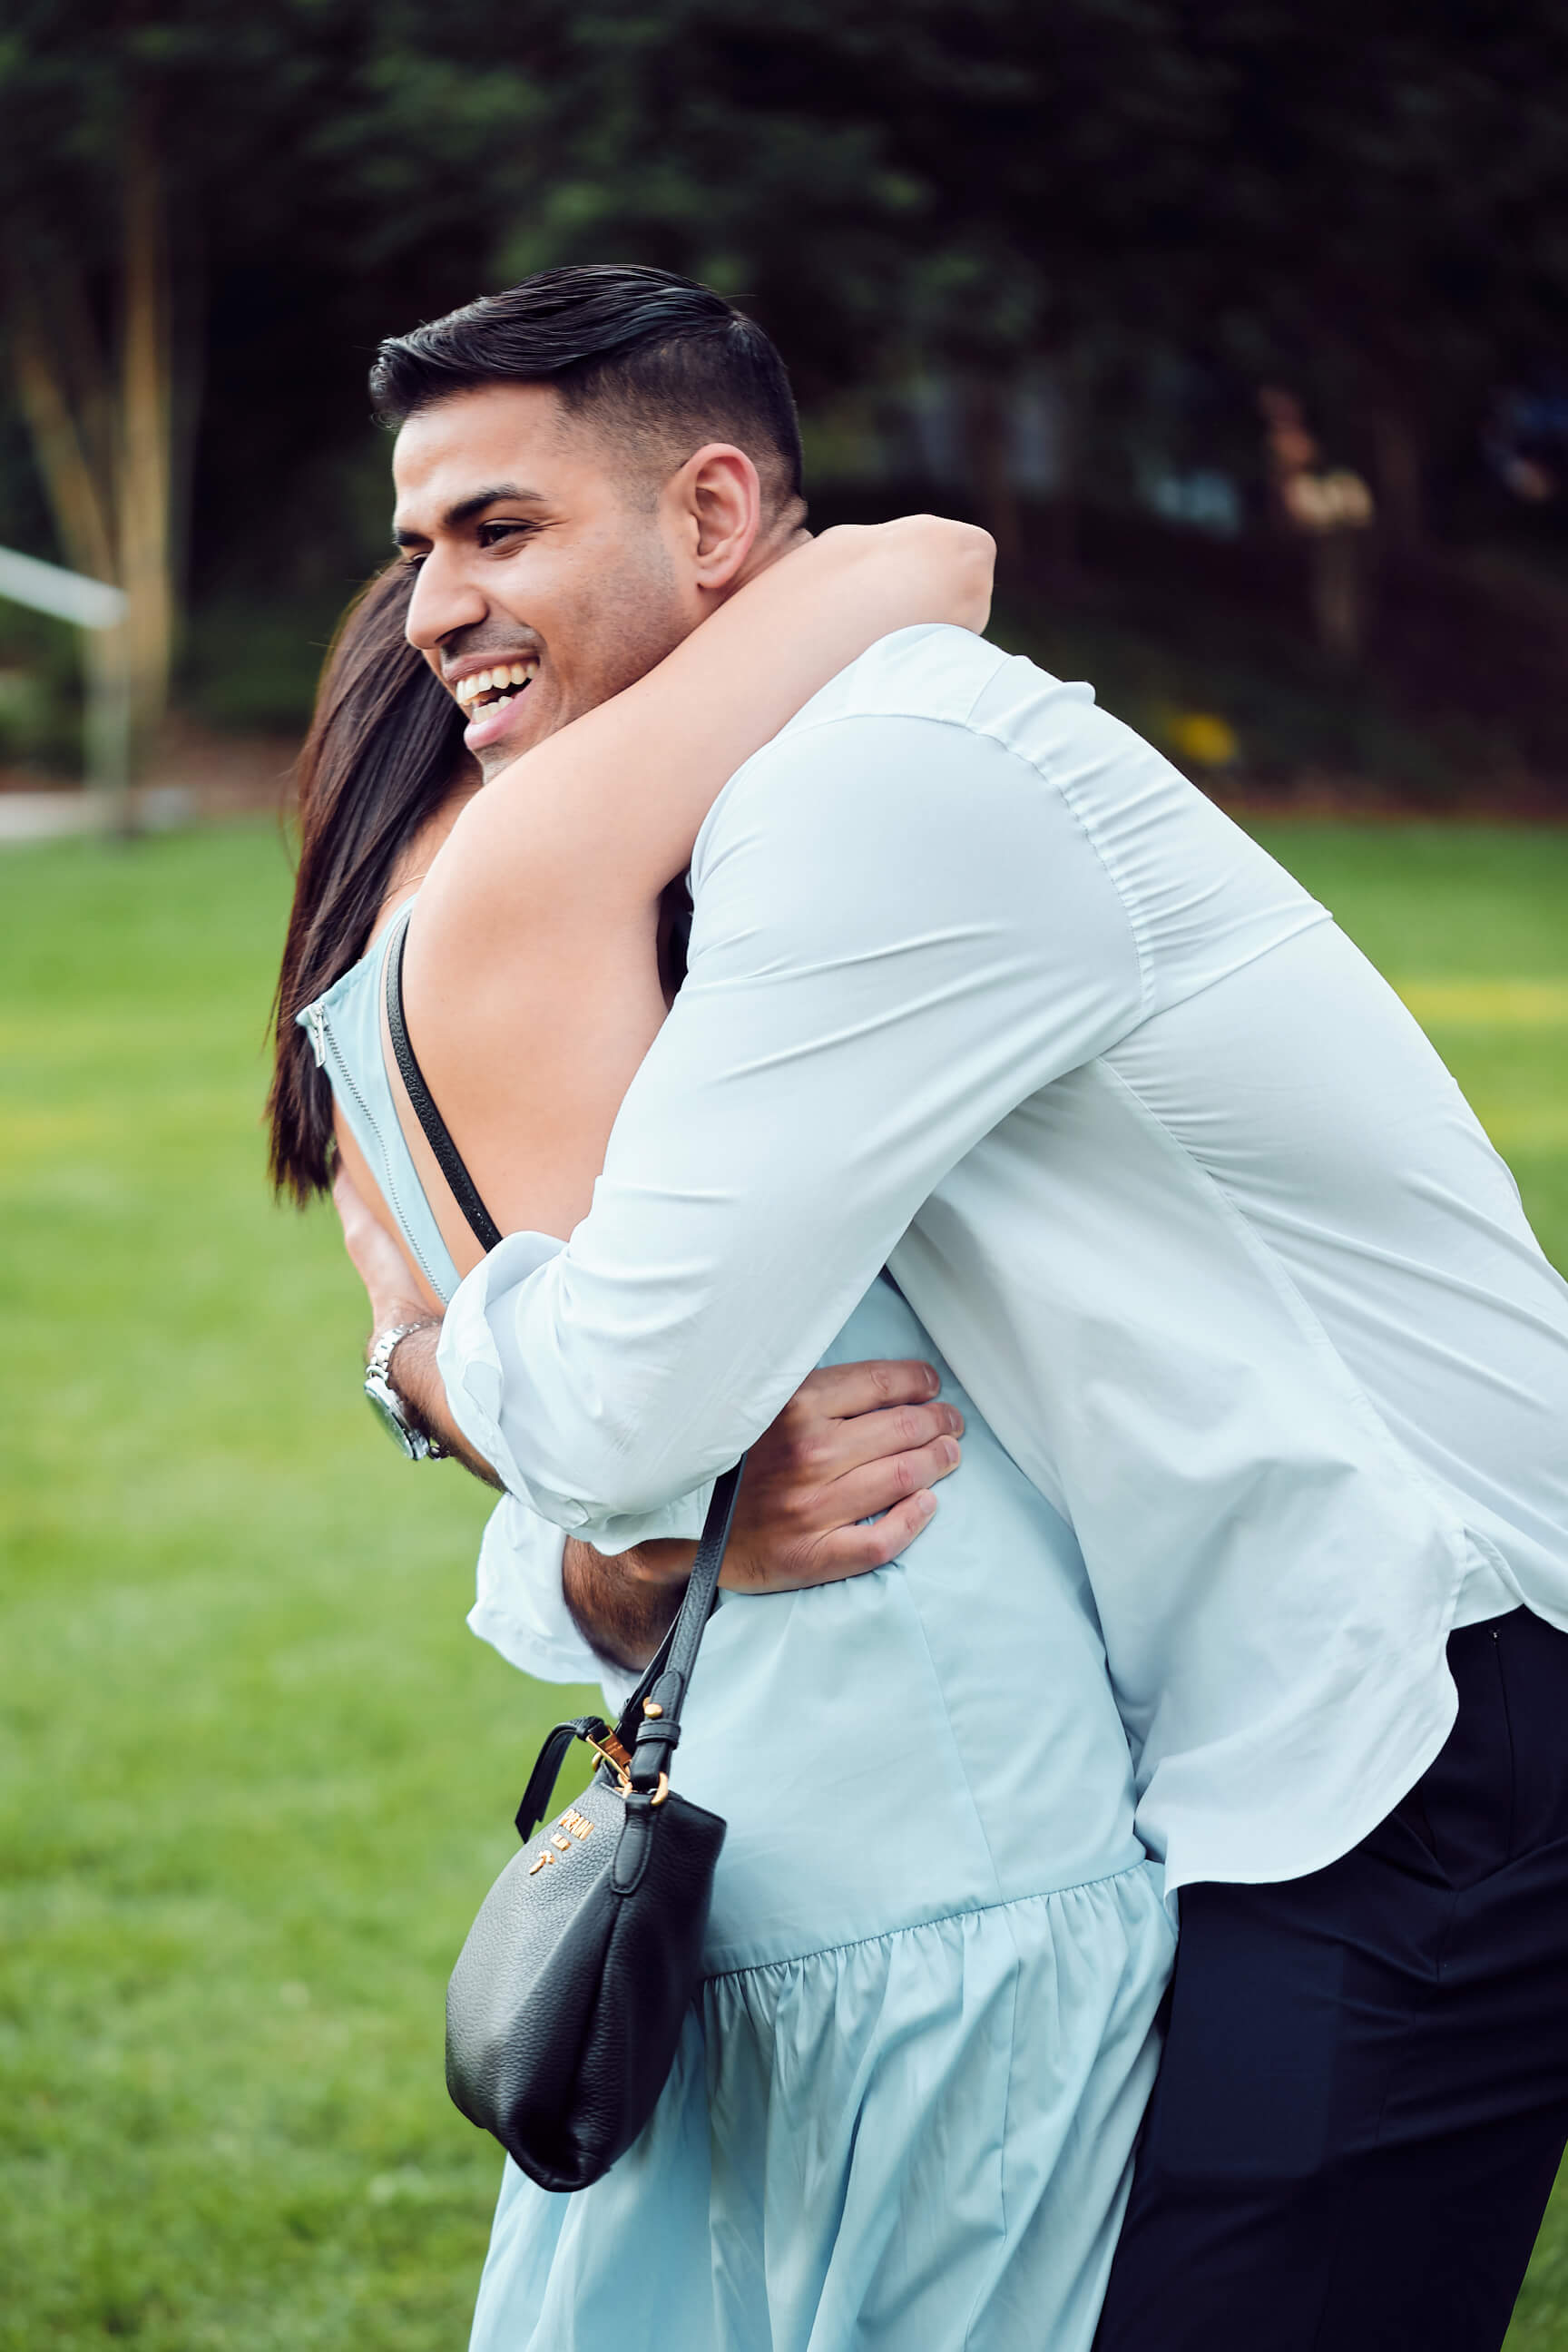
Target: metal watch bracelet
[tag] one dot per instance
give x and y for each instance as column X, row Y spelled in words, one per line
column 392, row 1409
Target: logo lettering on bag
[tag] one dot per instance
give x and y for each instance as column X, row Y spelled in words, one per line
column 581, row 1827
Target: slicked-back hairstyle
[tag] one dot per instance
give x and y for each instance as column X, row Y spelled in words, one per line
column 659, row 363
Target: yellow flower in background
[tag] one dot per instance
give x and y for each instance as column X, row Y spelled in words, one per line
column 1203, row 736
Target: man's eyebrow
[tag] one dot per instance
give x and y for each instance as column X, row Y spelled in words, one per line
column 497, row 494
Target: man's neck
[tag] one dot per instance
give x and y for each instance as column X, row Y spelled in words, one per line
column 767, row 550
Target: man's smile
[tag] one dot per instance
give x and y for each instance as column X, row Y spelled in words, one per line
column 486, row 697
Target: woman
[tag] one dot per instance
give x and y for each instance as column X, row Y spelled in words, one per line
column 905, row 2107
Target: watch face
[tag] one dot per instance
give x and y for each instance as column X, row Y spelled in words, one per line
column 388, row 1411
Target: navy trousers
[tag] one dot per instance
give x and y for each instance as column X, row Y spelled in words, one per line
column 1363, row 2094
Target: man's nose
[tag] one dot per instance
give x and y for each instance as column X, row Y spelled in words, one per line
column 443, row 599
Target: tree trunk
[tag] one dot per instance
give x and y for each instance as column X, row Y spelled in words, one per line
column 108, row 729
column 80, row 497
column 103, row 443
column 144, row 473
column 61, row 381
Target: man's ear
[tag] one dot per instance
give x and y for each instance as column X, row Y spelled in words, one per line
column 721, row 505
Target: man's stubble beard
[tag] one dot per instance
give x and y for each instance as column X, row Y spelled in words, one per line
column 637, row 620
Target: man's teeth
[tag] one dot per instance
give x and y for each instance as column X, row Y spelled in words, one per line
column 500, row 681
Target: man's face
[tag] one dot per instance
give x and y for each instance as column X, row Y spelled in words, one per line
column 549, row 577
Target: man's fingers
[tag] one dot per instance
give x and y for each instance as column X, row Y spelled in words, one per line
column 857, row 1443
column 833, row 1449
column 841, row 1391
column 850, row 1551
column 881, row 1485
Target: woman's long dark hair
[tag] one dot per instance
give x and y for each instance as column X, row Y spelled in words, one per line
column 385, row 747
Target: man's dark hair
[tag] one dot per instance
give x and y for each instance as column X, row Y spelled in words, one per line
column 662, row 363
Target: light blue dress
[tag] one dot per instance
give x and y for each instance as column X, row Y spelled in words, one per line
column 904, row 2107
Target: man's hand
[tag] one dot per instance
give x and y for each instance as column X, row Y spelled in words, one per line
column 394, row 1298
column 854, row 1441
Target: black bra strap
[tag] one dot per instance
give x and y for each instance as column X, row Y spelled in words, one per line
column 486, row 1231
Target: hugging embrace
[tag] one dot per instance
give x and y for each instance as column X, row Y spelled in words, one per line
column 1156, row 1505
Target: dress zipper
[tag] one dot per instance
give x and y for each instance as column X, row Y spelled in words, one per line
column 325, row 1043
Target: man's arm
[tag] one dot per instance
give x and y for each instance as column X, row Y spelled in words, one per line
column 622, row 1604
column 394, row 1300
column 901, row 932
column 839, row 1483
column 418, row 1382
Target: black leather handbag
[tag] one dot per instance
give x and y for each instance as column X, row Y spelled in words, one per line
column 566, row 2005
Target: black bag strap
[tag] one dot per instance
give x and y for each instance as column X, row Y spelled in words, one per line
column 485, row 1230
column 547, row 1769
column 651, row 1737
column 641, row 1745
column 649, row 1725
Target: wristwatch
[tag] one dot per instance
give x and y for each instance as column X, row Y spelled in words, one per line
column 386, row 1404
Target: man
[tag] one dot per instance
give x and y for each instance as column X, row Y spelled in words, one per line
column 980, row 987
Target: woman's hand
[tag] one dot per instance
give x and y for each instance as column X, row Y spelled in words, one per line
column 919, row 568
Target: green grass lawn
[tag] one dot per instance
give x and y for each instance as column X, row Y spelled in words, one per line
column 257, row 1773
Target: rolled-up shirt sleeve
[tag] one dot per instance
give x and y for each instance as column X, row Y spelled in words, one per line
column 484, row 1344
column 520, row 1608
column 901, row 931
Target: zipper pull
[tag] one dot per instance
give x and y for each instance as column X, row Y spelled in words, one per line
column 316, row 1022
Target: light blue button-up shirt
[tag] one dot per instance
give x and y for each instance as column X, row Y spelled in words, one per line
column 980, row 986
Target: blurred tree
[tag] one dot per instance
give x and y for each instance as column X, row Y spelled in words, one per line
column 963, row 185
column 1384, row 220
column 147, row 159
column 102, row 443
column 1363, row 209
column 1371, row 204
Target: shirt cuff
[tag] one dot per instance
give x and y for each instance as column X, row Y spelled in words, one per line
column 521, row 1608
column 470, row 1364
column 680, row 1521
